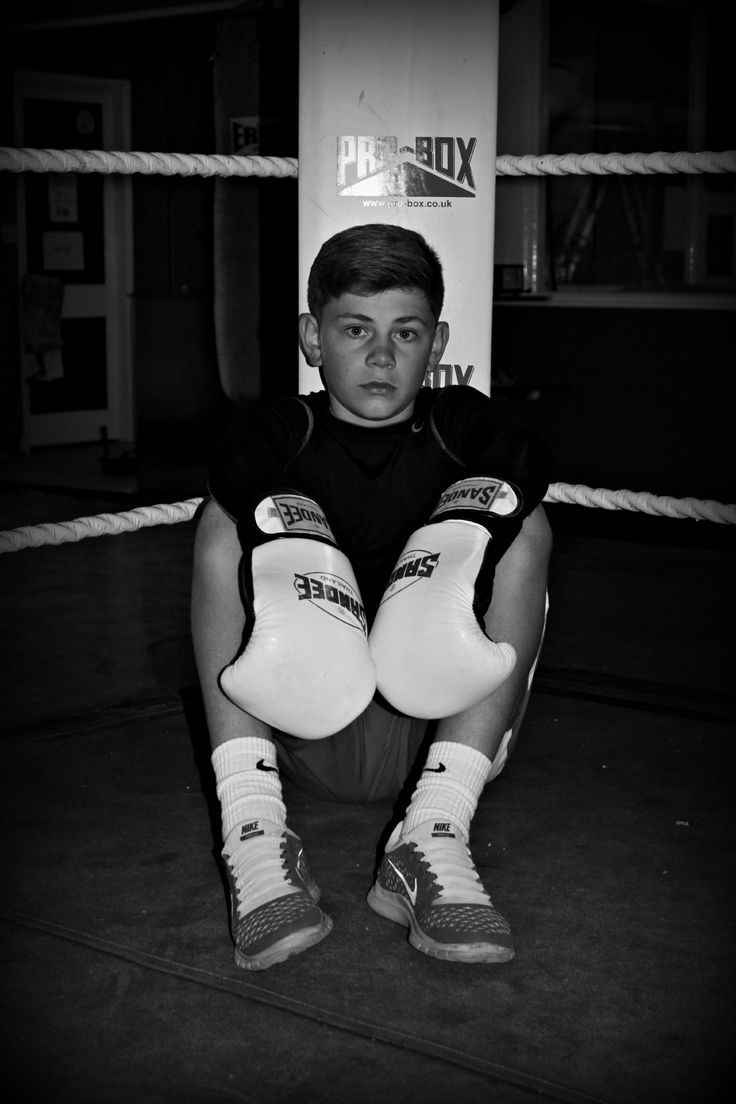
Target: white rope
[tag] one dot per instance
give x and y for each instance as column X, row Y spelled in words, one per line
column 149, row 164
column 695, row 509
column 101, row 525
column 204, row 164
column 178, row 164
column 622, row 164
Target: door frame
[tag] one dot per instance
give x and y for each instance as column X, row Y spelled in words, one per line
column 113, row 299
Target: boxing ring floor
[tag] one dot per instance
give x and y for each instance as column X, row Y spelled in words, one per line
column 612, row 843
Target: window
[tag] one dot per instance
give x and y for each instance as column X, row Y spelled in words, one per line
column 640, row 77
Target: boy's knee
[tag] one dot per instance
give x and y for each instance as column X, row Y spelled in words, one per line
column 536, row 532
column 532, row 548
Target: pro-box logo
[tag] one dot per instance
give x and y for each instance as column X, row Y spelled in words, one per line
column 432, row 166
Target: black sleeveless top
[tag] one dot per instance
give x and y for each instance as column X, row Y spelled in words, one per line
column 374, row 484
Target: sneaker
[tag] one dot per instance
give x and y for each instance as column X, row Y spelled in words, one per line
column 427, row 881
column 273, row 897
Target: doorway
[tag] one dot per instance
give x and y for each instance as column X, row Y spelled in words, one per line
column 75, row 266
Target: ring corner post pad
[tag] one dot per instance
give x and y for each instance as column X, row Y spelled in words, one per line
column 397, row 124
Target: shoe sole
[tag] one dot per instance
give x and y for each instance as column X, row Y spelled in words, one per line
column 285, row 948
column 394, row 907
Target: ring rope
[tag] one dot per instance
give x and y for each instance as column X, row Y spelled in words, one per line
column 98, row 525
column 203, row 164
column 623, row 164
column 149, row 164
column 91, row 161
column 695, row 509
column 101, row 525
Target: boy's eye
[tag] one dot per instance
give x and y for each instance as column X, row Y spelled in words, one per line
column 356, row 331
column 406, row 335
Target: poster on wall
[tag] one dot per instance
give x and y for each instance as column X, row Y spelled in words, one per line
column 398, row 124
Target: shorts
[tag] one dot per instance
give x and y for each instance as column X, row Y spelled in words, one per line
column 378, row 757
column 368, row 760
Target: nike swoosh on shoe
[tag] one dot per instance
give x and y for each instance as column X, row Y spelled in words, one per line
column 411, row 890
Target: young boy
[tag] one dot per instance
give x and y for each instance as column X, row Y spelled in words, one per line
column 292, row 682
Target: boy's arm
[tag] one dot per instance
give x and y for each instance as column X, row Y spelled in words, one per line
column 470, row 426
column 217, row 619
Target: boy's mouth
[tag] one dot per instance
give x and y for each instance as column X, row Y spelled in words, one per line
column 377, row 387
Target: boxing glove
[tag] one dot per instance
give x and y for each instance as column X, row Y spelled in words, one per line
column 304, row 666
column 431, row 652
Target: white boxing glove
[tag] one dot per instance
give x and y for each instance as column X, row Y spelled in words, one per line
column 432, row 656
column 305, row 667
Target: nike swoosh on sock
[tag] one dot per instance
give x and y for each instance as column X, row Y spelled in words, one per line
column 262, row 765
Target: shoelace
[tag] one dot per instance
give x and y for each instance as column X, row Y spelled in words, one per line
column 451, row 864
column 259, row 872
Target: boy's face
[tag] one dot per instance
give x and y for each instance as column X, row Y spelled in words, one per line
column 374, row 351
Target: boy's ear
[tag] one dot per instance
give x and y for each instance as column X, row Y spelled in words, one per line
column 439, row 344
column 309, row 342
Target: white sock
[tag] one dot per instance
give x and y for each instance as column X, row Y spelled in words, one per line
column 248, row 782
column 449, row 787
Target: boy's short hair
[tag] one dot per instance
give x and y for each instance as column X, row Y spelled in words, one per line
column 376, row 257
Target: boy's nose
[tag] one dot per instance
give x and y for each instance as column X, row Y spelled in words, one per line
column 381, row 354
